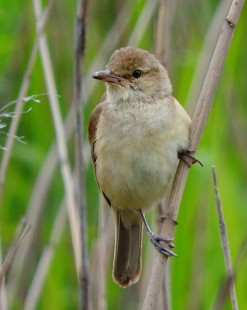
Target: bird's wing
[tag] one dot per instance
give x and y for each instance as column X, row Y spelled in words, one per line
column 92, row 128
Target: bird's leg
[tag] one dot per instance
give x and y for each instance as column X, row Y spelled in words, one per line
column 182, row 154
column 156, row 239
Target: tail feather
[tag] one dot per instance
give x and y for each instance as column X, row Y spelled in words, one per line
column 128, row 245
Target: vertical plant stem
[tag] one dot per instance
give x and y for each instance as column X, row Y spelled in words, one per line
column 162, row 50
column 196, row 286
column 21, row 232
column 225, row 287
column 80, row 42
column 162, row 32
column 224, row 242
column 42, row 270
column 206, row 54
column 60, row 139
column 198, row 123
column 101, row 276
column 142, row 22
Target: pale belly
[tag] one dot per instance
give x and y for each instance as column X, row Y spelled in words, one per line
column 136, row 153
column 134, row 172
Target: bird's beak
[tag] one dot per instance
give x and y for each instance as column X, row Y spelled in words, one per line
column 107, row 76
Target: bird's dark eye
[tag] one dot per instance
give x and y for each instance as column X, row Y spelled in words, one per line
column 137, row 74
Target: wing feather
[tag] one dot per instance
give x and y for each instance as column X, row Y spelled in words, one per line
column 92, row 129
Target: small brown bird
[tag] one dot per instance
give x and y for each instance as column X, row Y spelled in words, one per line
column 136, row 134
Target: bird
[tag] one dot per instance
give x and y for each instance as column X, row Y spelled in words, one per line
column 138, row 133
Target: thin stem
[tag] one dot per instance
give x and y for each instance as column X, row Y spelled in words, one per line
column 43, row 267
column 162, row 33
column 225, row 287
column 206, row 54
column 80, row 41
column 60, row 139
column 143, row 22
column 21, row 232
column 224, row 242
column 102, row 253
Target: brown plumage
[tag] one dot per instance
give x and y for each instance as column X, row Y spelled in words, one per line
column 135, row 135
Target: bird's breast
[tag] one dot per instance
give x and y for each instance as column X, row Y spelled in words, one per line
column 135, row 160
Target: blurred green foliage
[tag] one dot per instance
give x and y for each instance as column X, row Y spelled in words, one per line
column 224, row 144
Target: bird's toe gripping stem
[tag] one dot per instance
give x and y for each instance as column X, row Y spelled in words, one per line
column 185, row 154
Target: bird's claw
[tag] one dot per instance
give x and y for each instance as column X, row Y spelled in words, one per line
column 188, row 153
column 156, row 241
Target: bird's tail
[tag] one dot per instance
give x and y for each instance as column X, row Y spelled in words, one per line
column 128, row 245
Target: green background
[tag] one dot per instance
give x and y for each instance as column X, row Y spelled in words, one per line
column 198, row 273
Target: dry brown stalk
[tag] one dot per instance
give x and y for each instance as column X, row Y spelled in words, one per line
column 80, row 43
column 100, row 259
column 162, row 32
column 198, row 268
column 142, row 22
column 60, row 139
column 101, row 270
column 224, row 242
column 198, row 123
column 21, row 232
column 42, row 269
column 206, row 54
column 227, row 283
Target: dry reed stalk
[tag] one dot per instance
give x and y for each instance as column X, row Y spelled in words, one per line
column 206, row 54
column 198, row 271
column 162, row 40
column 61, row 141
column 21, row 232
column 142, row 22
column 165, row 296
column 80, row 44
column 198, row 123
column 101, row 259
column 47, row 255
column 223, row 292
column 225, row 243
column 34, row 213
column 162, row 50
column 101, row 266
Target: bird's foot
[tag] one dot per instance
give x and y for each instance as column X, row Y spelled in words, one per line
column 185, row 154
column 157, row 239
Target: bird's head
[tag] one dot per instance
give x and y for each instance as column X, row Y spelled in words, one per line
column 134, row 74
